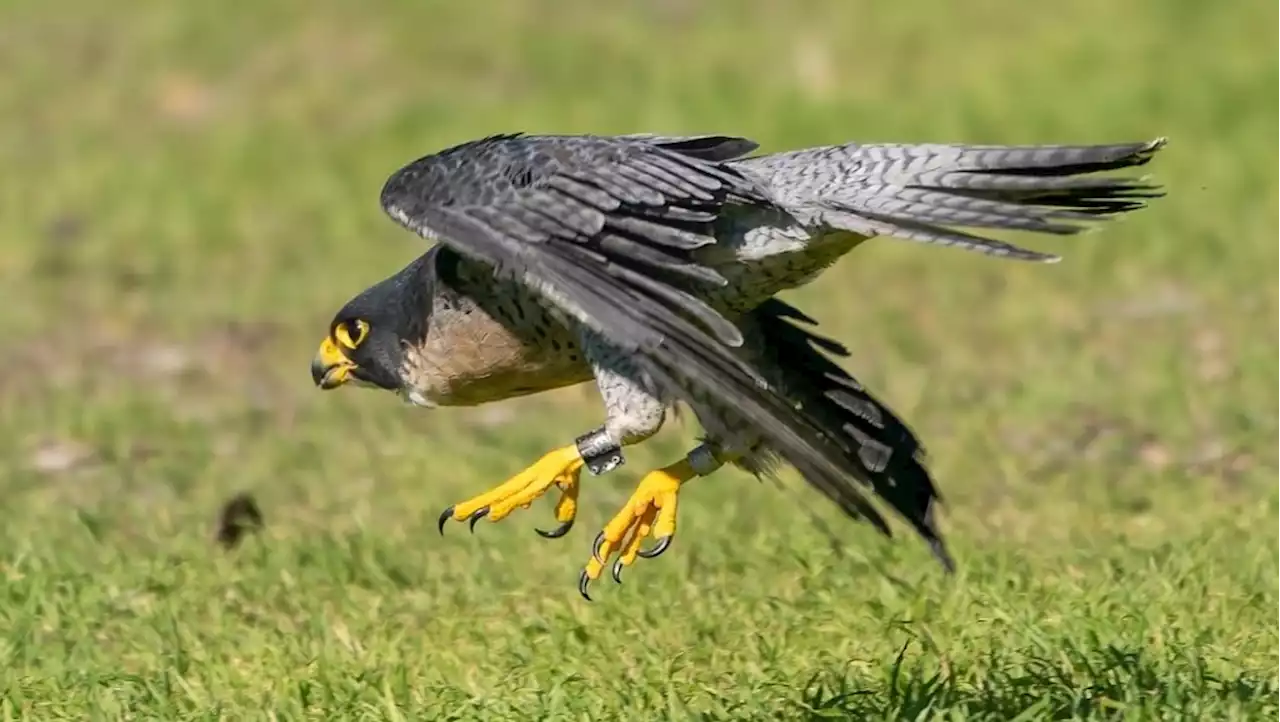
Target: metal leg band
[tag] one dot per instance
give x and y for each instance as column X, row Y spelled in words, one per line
column 703, row 460
column 600, row 453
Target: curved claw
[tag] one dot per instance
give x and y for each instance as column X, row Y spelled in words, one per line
column 558, row 532
column 444, row 519
column 476, row 516
column 583, row 582
column 595, row 547
column 661, row 547
column 617, row 571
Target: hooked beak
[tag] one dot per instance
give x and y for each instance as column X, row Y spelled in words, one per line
column 330, row 368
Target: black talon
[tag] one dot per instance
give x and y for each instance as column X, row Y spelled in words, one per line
column 444, row 519
column 617, row 571
column 558, row 532
column 661, row 547
column 476, row 516
column 595, row 547
column 583, row 582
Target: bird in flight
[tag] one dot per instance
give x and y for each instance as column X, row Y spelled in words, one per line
column 650, row 265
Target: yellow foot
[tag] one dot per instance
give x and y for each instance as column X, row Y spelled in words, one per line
column 560, row 468
column 651, row 511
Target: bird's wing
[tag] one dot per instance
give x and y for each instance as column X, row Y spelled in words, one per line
column 603, row 229
column 886, row 451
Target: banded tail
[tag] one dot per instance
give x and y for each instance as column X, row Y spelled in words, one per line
column 923, row 192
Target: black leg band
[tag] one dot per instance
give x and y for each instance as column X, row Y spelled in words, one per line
column 600, row 453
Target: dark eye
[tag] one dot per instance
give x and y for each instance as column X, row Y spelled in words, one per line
column 351, row 333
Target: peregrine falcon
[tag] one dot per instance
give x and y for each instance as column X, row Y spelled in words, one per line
column 650, row 265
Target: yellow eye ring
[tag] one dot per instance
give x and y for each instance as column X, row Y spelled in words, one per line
column 342, row 333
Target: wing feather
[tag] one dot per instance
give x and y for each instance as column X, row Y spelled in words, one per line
column 664, row 234
column 621, row 187
column 591, row 195
column 666, row 183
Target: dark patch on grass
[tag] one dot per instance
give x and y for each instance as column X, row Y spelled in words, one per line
column 240, row 516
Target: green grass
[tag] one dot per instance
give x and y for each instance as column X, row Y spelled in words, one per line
column 189, row 192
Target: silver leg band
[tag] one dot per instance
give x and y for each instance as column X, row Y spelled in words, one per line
column 599, row 452
column 703, row 460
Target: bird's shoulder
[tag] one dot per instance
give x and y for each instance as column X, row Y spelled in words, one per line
column 483, row 171
column 588, row 221
column 496, row 168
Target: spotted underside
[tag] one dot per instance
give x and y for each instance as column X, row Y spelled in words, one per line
column 493, row 339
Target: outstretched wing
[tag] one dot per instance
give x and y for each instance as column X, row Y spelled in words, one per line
column 887, row 454
column 604, row 229
column 586, row 222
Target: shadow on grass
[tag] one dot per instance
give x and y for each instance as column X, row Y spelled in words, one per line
column 1105, row 682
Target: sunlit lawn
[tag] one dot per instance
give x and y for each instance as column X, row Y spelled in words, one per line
column 189, row 191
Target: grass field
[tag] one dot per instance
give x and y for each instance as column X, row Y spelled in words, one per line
column 189, row 191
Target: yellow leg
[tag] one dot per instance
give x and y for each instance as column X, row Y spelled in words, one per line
column 651, row 511
column 561, row 467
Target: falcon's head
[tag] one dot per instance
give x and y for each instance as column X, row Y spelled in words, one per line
column 366, row 339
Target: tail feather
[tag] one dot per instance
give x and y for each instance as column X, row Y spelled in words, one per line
column 880, row 445
column 923, row 192
column 874, row 224
column 1033, row 160
column 933, row 205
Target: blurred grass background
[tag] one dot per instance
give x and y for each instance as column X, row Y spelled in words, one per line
column 189, row 191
